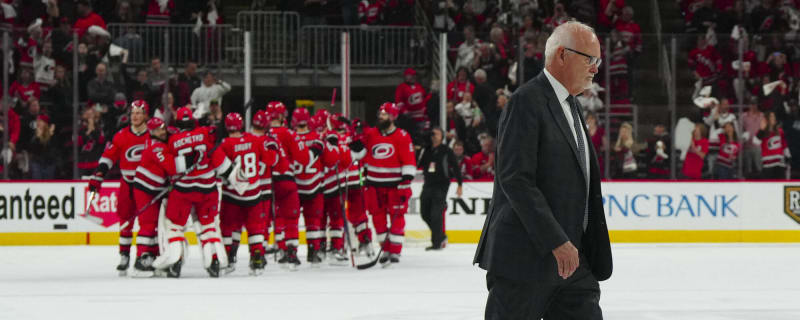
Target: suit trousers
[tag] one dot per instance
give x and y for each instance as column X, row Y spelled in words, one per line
column 547, row 297
column 433, row 203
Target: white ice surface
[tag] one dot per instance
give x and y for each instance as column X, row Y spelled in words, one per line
column 681, row 281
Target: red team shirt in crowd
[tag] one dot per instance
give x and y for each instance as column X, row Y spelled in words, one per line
column 693, row 165
column 478, row 160
column 706, row 62
column 25, row 92
column 773, row 150
column 193, row 146
column 728, row 152
column 157, row 165
column 126, row 149
column 370, row 11
column 455, row 90
column 411, row 100
column 158, row 14
column 82, row 24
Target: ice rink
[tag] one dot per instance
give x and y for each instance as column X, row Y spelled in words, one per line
column 659, row 281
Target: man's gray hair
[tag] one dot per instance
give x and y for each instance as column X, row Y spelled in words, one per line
column 562, row 36
column 479, row 74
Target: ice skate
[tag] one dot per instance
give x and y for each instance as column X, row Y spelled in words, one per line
column 143, row 267
column 313, row 257
column 365, row 249
column 338, row 257
column 257, row 263
column 231, row 262
column 213, row 270
column 384, row 259
column 124, row 262
column 174, row 271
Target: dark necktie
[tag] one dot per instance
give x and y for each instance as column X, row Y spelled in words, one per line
column 576, row 123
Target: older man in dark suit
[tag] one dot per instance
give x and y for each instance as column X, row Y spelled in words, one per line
column 545, row 241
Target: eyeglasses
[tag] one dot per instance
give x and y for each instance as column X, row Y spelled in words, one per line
column 592, row 59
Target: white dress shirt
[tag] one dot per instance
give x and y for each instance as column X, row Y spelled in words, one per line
column 562, row 94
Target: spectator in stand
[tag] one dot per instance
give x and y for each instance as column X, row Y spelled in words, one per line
column 472, row 119
column 166, row 112
column 212, row 89
column 766, row 18
column 137, row 88
column 624, row 161
column 369, row 11
column 60, row 98
column 484, row 95
column 463, row 160
column 483, row 162
column 24, row 89
column 657, row 157
column 157, row 76
column 87, row 18
column 27, row 47
column 44, row 67
column 599, row 140
column 703, row 18
column 101, row 90
column 457, row 87
column 630, row 32
column 13, row 132
column 43, row 150
column 774, row 149
column 159, row 11
column 559, row 17
column 791, row 129
column 91, row 142
column 619, row 71
column 705, row 62
column 533, row 63
column 27, row 119
column 188, row 81
column 727, row 160
column 500, row 104
column 399, row 12
column 696, row 155
column 494, row 66
column 607, row 12
column 468, row 50
column 468, row 17
column 751, row 124
column 123, row 14
column 411, row 99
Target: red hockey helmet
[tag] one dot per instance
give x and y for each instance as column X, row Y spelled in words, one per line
column 172, row 130
column 300, row 116
column 317, row 123
column 335, row 123
column 276, row 108
column 155, row 123
column 234, row 122
column 322, row 113
column 410, row 72
column 184, row 114
column 391, row 109
column 261, row 119
column 140, row 104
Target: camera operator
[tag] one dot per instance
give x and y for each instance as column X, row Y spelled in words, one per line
column 438, row 164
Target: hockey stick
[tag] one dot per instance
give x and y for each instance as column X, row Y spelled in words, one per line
column 345, row 226
column 95, row 219
column 166, row 190
column 372, row 263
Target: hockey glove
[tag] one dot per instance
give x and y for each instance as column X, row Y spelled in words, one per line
column 95, row 181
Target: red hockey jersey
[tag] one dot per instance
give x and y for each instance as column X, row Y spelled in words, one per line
column 296, row 153
column 336, row 174
column 411, row 100
column 390, row 158
column 310, row 175
column 773, row 149
column 256, row 162
column 126, row 149
column 193, row 146
column 157, row 165
column 369, row 12
column 455, row 90
column 728, row 152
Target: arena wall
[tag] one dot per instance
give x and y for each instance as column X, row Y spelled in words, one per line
column 54, row 213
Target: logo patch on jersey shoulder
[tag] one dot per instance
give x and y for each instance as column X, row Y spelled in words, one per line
column 134, row 153
column 382, row 151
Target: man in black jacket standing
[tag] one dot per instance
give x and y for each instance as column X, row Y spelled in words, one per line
column 545, row 241
column 439, row 165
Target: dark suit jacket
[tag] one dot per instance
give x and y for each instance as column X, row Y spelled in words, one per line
column 539, row 191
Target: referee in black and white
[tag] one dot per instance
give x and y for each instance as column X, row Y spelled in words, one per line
column 439, row 165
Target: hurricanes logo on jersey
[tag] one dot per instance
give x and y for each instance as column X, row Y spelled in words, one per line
column 382, row 151
column 134, row 153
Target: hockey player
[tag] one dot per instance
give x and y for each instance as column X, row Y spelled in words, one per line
column 195, row 192
column 246, row 208
column 126, row 150
column 287, row 201
column 309, row 179
column 356, row 210
column 334, row 191
column 390, row 167
column 152, row 177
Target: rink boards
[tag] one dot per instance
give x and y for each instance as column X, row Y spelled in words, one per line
column 53, row 213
